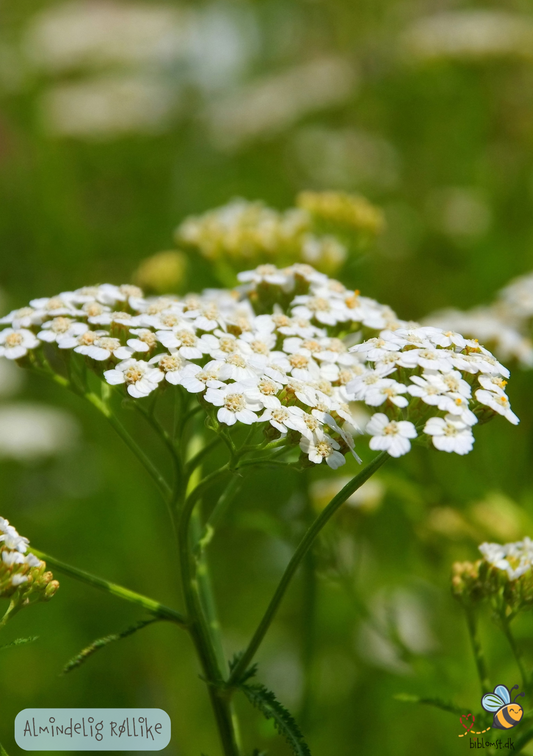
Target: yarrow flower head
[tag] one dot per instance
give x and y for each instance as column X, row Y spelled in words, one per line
column 516, row 559
column 23, row 576
column 273, row 354
column 504, row 576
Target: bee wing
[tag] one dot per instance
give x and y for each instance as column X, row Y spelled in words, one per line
column 492, row 702
column 503, row 692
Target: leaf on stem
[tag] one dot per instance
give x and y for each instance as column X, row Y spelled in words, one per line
column 437, row 702
column 267, row 703
column 247, row 674
column 19, row 642
column 82, row 657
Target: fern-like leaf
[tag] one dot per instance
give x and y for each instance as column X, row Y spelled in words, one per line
column 267, row 703
column 82, row 657
column 19, row 642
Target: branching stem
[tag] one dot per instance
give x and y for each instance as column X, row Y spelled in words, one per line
column 160, row 610
column 302, row 549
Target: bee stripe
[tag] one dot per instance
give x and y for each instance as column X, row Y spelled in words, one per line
column 505, row 719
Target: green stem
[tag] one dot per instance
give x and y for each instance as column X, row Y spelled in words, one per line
column 198, row 626
column 167, row 440
column 309, row 617
column 3, row 751
column 477, row 648
column 506, row 627
column 302, row 549
column 102, row 407
column 115, row 590
column 205, row 590
column 220, row 508
column 12, row 609
column 198, row 458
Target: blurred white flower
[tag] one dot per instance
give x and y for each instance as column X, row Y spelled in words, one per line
column 274, row 103
column 345, row 158
column 109, row 105
column 459, row 212
column 399, row 627
column 490, row 325
column 470, row 35
column 31, row 431
column 84, row 34
column 11, row 378
column 134, row 58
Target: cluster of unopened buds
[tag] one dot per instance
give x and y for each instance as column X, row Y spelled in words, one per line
column 504, row 575
column 23, row 576
column 289, row 349
column 316, row 231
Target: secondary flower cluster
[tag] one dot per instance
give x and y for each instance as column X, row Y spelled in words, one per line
column 276, row 352
column 438, row 380
column 505, row 325
column 504, row 576
column 513, row 558
column 23, row 577
column 250, row 231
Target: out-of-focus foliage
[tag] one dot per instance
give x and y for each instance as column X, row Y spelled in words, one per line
column 119, row 120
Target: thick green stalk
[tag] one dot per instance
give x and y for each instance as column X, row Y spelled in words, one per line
column 115, row 590
column 3, row 751
column 477, row 648
column 198, row 626
column 302, row 549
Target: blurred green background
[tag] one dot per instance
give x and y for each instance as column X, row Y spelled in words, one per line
column 118, row 119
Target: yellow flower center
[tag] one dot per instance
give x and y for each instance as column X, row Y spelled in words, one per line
column 235, row 402
column 13, row 340
column 299, row 361
column 187, row 338
column 170, row 362
column 133, row 374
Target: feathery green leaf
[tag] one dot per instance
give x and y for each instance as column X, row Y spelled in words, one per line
column 19, row 642
column 82, row 657
column 267, row 703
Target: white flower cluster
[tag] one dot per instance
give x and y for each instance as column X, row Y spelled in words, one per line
column 513, row 558
column 275, row 352
column 440, row 380
column 18, row 567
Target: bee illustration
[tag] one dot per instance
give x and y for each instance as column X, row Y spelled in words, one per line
column 507, row 713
